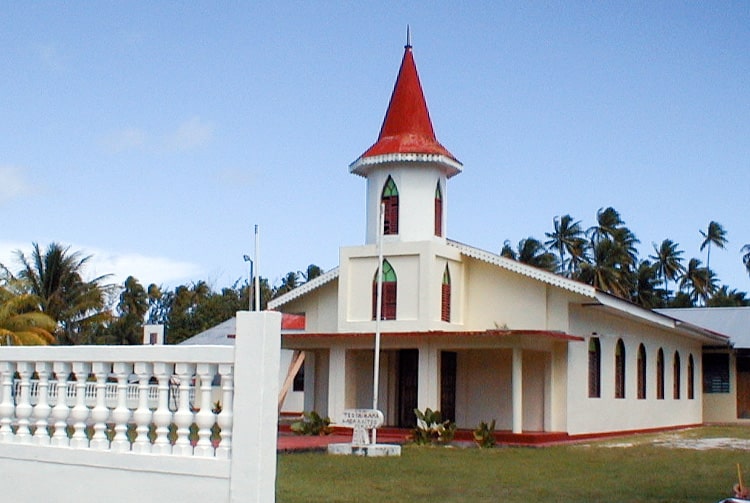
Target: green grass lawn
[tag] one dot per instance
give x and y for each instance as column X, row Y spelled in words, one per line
column 627, row 469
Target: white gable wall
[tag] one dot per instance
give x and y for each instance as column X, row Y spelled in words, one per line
column 498, row 298
column 419, row 268
column 319, row 309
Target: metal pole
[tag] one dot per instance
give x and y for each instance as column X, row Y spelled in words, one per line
column 250, row 289
column 378, row 315
column 256, row 266
column 249, row 283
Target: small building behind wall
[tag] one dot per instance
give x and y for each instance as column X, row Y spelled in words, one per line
column 473, row 334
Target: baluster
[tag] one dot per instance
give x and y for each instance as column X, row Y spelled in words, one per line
column 225, row 418
column 142, row 415
column 42, row 409
column 23, row 403
column 100, row 412
column 7, row 408
column 61, row 410
column 183, row 418
column 162, row 416
column 121, row 413
column 205, row 418
column 79, row 413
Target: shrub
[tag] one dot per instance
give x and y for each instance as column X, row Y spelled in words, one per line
column 484, row 435
column 312, row 424
column 431, row 429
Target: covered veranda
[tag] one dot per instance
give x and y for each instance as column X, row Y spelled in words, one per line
column 516, row 377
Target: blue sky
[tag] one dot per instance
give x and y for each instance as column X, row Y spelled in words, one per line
column 154, row 135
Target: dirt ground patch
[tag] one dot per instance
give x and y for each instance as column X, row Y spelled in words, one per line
column 703, row 444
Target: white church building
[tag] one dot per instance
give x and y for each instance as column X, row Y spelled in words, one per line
column 473, row 334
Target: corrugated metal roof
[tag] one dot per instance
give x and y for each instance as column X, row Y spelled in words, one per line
column 731, row 321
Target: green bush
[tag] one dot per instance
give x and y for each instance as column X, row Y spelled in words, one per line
column 431, row 429
column 484, row 435
column 312, row 424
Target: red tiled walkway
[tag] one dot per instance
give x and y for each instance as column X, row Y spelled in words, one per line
column 289, row 442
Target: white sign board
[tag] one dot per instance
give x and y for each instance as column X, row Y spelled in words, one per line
column 361, row 420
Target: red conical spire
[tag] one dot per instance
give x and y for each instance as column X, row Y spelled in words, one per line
column 407, row 128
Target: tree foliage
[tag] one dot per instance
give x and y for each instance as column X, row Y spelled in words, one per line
column 55, row 278
column 606, row 256
column 21, row 320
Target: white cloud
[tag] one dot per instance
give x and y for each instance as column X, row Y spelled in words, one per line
column 126, row 139
column 146, row 269
column 12, row 183
column 191, row 134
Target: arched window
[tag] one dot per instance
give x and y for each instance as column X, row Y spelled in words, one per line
column 620, row 369
column 660, row 375
column 390, row 200
column 676, row 372
column 641, row 372
column 438, row 211
column 445, row 297
column 388, row 301
column 595, row 368
column 691, row 378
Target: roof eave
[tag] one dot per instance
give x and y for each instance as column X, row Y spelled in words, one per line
column 304, row 289
column 364, row 165
column 628, row 308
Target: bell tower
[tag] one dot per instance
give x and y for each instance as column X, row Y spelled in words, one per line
column 407, row 168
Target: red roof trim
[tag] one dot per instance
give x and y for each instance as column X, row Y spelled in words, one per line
column 551, row 334
column 292, row 321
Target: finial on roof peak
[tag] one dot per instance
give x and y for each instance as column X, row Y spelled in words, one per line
column 408, row 38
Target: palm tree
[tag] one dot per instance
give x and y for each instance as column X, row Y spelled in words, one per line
column 714, row 235
column 288, row 283
column 646, row 292
column 697, row 282
column 608, row 220
column 507, row 250
column 312, row 272
column 55, row 277
column 531, row 251
column 567, row 239
column 132, row 309
column 724, row 297
column 21, row 321
column 668, row 262
column 606, row 270
column 746, row 257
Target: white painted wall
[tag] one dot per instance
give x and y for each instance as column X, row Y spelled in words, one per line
column 419, row 269
column 483, row 388
column 610, row 414
column 416, row 184
column 72, row 474
column 722, row 407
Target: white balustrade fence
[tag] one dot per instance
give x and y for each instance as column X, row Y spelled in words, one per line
column 173, row 420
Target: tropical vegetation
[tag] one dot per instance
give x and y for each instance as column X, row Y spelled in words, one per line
column 606, row 256
column 21, row 320
column 46, row 299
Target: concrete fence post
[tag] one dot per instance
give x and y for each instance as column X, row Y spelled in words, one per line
column 256, row 387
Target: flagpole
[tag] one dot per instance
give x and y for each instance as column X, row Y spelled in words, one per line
column 256, row 267
column 378, row 316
